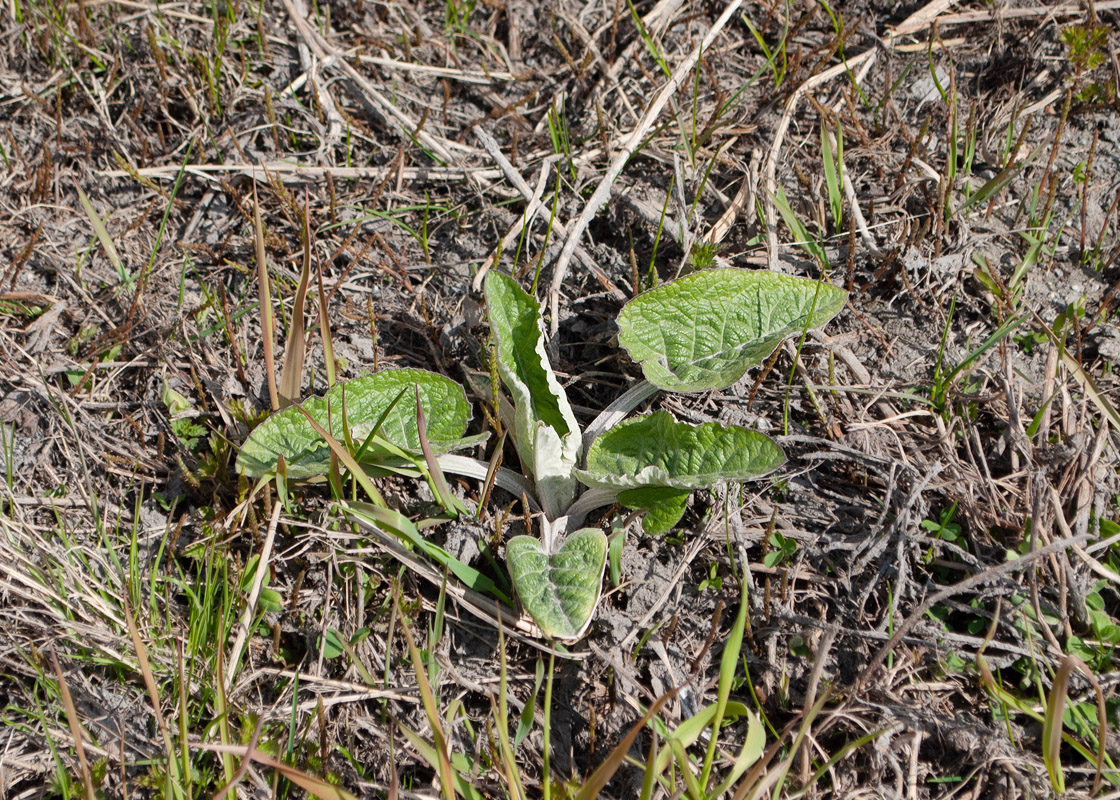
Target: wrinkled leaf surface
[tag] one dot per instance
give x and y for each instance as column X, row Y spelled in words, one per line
column 306, row 455
column 703, row 331
column 656, row 450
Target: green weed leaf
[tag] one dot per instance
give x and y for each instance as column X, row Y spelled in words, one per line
column 545, row 429
column 657, row 451
column 703, row 331
column 288, row 432
column 559, row 590
column 664, row 506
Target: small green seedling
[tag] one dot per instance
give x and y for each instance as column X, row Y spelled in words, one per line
column 783, row 550
column 698, row 333
column 943, row 527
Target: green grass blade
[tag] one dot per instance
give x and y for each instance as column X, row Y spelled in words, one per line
column 728, row 663
column 806, row 242
column 106, row 240
column 399, row 525
column 831, row 178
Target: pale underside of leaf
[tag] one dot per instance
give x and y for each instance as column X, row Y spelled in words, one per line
column 305, row 453
column 655, row 450
column 559, row 590
column 545, row 428
column 703, row 331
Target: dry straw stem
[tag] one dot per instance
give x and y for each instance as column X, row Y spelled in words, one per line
column 463, row 76
column 296, row 173
column 75, row 729
column 405, row 127
column 962, row 586
column 912, row 25
column 626, row 150
column 743, row 201
column 535, row 205
column 916, row 21
column 254, row 595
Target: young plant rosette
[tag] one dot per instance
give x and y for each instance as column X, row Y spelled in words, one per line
column 697, row 333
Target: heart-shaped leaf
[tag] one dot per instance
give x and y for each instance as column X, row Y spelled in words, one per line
column 306, row 455
column 559, row 590
column 545, row 429
column 703, row 331
column 656, row 450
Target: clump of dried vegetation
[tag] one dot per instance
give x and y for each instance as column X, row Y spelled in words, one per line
column 923, row 602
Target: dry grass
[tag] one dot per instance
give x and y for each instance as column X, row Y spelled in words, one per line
column 945, row 534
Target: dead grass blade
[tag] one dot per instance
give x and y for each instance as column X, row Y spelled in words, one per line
column 325, row 329
column 439, row 480
column 153, row 692
column 254, row 593
column 650, row 776
column 1052, row 723
column 1052, row 726
column 431, row 711
column 394, row 779
column 265, row 292
column 1103, row 404
column 316, row 787
column 742, row 202
column 243, row 767
column 291, row 375
column 1091, row 389
column 617, row 757
column 75, row 730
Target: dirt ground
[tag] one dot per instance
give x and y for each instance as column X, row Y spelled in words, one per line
column 941, row 543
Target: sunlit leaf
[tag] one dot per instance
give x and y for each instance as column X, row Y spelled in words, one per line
column 703, row 331
column 288, row 432
column 655, row 450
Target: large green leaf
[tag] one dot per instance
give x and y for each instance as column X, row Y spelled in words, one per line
column 545, row 429
column 559, row 590
column 655, row 450
column 306, row 455
column 703, row 331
